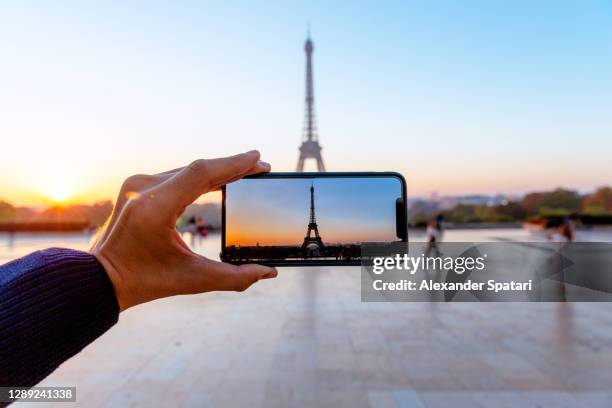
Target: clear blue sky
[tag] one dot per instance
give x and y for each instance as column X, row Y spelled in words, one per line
column 461, row 97
column 347, row 210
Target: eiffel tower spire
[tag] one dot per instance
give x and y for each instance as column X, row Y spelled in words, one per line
column 310, row 148
column 313, row 219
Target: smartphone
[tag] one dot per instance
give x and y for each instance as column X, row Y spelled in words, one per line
column 311, row 219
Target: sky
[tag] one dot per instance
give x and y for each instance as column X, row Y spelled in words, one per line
column 460, row 97
column 277, row 211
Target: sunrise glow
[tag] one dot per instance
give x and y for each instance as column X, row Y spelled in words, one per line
column 58, row 192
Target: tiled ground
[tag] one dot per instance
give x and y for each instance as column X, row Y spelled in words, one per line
column 306, row 339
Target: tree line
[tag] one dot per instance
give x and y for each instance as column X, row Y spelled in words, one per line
column 595, row 207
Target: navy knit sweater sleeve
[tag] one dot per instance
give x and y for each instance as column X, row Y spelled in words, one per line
column 52, row 304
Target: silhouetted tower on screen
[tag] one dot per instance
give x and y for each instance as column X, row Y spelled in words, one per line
column 309, row 240
column 310, row 148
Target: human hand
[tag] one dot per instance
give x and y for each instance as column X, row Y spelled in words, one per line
column 143, row 253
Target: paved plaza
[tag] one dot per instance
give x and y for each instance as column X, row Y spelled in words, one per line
column 306, row 339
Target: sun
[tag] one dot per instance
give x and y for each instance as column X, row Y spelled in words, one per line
column 58, row 193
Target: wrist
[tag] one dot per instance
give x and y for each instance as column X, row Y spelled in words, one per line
column 115, row 278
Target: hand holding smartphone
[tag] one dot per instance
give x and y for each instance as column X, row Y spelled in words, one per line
column 311, row 218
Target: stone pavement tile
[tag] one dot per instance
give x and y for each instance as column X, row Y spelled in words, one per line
column 379, row 370
column 499, row 399
column 423, row 364
column 164, row 367
column 292, row 387
column 286, row 361
column 305, row 397
column 590, row 379
column 121, row 399
column 341, row 399
column 386, row 380
column 446, row 399
column 335, row 359
column 458, row 362
column 552, row 399
column 535, row 382
column 436, row 382
column 481, row 381
column 597, row 359
column 368, row 340
column 338, row 380
column 510, row 363
column 334, row 336
column 518, row 372
column 595, row 399
column 137, row 394
column 409, row 345
column 238, row 396
column 381, row 399
column 403, row 398
column 195, row 399
column 280, row 392
column 282, row 398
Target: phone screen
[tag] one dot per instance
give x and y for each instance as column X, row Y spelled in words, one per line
column 296, row 218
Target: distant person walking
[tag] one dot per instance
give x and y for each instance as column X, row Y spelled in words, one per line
column 564, row 234
column 439, row 220
column 566, row 231
column 201, row 227
column 434, row 235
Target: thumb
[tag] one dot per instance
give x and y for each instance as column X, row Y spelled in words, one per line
column 216, row 275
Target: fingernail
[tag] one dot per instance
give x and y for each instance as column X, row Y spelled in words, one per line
column 269, row 275
column 252, row 151
column 263, row 163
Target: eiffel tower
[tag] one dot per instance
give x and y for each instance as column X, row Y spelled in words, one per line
column 312, row 226
column 310, row 148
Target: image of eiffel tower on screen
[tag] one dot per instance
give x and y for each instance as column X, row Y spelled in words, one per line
column 313, row 245
column 309, row 218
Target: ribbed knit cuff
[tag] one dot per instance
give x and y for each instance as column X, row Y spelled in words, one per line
column 52, row 304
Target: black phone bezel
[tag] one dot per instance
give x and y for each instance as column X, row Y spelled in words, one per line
column 281, row 175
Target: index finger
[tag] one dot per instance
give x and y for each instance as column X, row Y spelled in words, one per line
column 204, row 175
